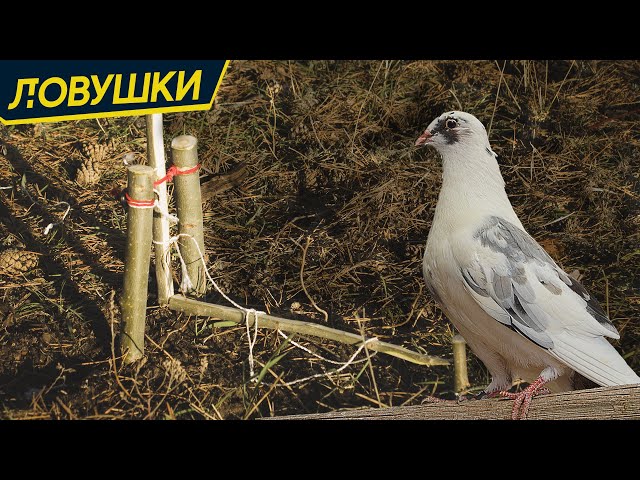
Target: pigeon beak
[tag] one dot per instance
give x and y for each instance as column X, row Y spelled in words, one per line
column 424, row 139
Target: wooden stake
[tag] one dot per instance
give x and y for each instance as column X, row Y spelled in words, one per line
column 156, row 159
column 136, row 263
column 461, row 377
column 194, row 307
column 189, row 207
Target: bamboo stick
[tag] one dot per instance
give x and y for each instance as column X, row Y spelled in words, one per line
column 189, row 207
column 156, row 159
column 194, row 307
column 461, row 377
column 136, row 263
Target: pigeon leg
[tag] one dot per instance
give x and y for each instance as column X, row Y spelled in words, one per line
column 522, row 400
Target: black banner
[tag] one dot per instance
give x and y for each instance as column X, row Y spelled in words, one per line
column 47, row 90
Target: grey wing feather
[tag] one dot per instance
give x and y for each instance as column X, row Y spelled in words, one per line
column 503, row 290
column 518, row 247
column 472, row 283
column 509, row 288
column 499, row 285
column 509, row 311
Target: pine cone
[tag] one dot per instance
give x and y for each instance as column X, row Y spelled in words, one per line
column 13, row 262
column 97, row 151
column 88, row 173
column 93, row 165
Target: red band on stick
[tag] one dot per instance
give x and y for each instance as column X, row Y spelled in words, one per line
column 139, row 203
column 172, row 172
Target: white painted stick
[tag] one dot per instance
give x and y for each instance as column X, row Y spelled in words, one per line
column 161, row 234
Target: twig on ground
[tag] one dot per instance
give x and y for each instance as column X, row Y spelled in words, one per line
column 304, row 288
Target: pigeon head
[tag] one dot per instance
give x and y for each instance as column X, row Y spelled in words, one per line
column 453, row 131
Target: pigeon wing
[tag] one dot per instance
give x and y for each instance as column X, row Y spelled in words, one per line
column 517, row 283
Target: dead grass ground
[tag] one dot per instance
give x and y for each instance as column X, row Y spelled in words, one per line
column 329, row 152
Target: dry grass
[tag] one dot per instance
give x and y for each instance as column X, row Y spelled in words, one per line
column 330, row 166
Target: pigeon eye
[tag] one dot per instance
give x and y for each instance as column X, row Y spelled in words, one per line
column 451, row 123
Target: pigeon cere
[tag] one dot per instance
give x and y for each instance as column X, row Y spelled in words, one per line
column 520, row 313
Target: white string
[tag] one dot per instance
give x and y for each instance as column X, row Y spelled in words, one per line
column 248, row 311
column 252, row 341
column 187, row 285
column 206, row 271
column 164, row 213
column 48, row 228
column 302, row 347
column 337, row 370
column 6, row 188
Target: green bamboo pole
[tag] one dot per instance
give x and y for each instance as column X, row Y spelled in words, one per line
column 136, row 263
column 194, row 307
column 189, row 207
column 156, row 159
column 461, row 377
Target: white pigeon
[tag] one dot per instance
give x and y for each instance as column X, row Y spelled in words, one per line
column 520, row 313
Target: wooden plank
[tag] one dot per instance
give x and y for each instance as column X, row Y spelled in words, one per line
column 605, row 403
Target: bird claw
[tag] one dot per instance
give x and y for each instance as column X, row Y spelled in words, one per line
column 522, row 400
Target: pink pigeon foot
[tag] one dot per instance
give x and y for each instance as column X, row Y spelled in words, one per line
column 522, row 400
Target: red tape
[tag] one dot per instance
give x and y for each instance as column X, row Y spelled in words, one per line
column 172, row 172
column 139, row 203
